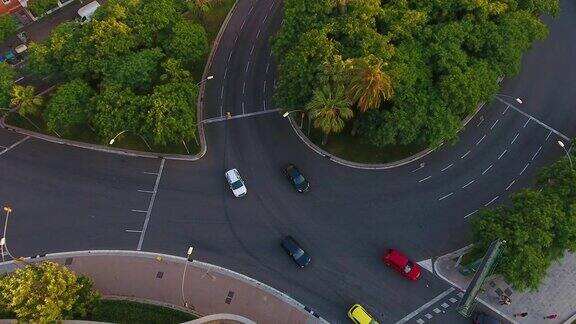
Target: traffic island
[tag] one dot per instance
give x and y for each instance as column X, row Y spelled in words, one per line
column 191, row 286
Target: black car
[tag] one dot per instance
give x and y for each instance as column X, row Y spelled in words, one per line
column 294, row 249
column 482, row 318
column 296, row 178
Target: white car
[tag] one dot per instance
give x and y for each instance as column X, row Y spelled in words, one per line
column 236, row 183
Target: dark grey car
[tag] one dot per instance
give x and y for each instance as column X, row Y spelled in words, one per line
column 291, row 246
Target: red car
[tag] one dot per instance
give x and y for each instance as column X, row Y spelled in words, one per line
column 402, row 264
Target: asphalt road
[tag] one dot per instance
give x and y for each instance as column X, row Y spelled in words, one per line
column 69, row 199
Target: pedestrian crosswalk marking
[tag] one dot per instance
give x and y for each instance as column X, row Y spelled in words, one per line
column 444, row 305
column 420, row 321
column 428, row 316
column 436, row 310
column 453, row 300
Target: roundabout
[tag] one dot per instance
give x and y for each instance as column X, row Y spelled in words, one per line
column 67, row 198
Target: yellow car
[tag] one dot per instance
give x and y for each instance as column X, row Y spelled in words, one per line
column 359, row 315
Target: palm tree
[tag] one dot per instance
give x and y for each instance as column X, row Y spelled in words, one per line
column 369, row 85
column 329, row 109
column 200, row 7
column 25, row 100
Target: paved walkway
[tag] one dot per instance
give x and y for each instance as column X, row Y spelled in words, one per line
column 557, row 294
column 158, row 278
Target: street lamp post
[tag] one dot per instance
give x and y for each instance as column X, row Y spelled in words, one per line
column 188, row 259
column 518, row 100
column 124, row 131
column 286, row 114
column 567, row 153
column 210, row 77
column 3, row 244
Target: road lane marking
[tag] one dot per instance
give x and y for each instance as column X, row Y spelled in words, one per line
column 243, row 23
column 548, row 135
column 491, row 201
column 419, row 168
column 220, row 119
column 150, row 205
column 536, row 120
column 472, row 213
column 243, row 111
column 252, row 50
column 229, row 56
column 510, row 185
column 133, row 231
column 496, row 122
column 527, row 164
column 145, row 191
column 469, row 183
column 536, row 154
column 463, row 156
column 448, row 167
column 19, row 79
column 15, row 144
column 222, row 93
column 264, row 102
column 424, row 179
column 258, row 34
column 244, row 87
column 139, row 211
column 251, row 8
column 480, row 141
column 150, row 173
column 446, row 196
column 267, row 66
column 515, row 137
column 490, row 167
column 526, row 122
column 247, row 66
column 481, row 120
column 264, row 87
column 425, row 306
column 505, row 110
column 502, row 154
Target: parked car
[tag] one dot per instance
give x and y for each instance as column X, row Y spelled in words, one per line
column 482, row 318
column 402, row 264
column 359, row 315
column 296, row 178
column 85, row 13
column 236, row 183
column 294, row 250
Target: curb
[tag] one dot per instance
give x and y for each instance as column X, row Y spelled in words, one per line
column 486, row 304
column 141, row 154
column 378, row 166
column 155, row 256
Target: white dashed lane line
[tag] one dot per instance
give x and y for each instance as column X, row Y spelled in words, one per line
column 469, row 183
column 472, row 213
column 480, row 141
column 526, row 123
column 510, row 185
column 496, row 122
column 445, row 196
column 491, row 201
column 424, row 179
column 536, row 154
column 505, row 110
column 447, row 167
column 502, row 154
column 514, row 139
column 488, row 168
column 526, row 167
column 465, row 154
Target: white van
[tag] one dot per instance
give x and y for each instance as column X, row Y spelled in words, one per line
column 85, row 13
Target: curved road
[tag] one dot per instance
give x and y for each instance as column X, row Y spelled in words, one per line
column 72, row 199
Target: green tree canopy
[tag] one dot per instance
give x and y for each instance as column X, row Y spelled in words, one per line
column 444, row 57
column 188, row 43
column 136, row 70
column 26, row 100
column 69, row 107
column 329, row 110
column 539, row 226
column 6, row 84
column 8, row 26
column 46, row 292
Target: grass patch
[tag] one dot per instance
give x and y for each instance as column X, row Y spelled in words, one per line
column 125, row 312
column 352, row 148
column 87, row 135
column 119, row 311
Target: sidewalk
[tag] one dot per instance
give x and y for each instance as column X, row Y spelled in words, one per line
column 557, row 294
column 158, row 278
